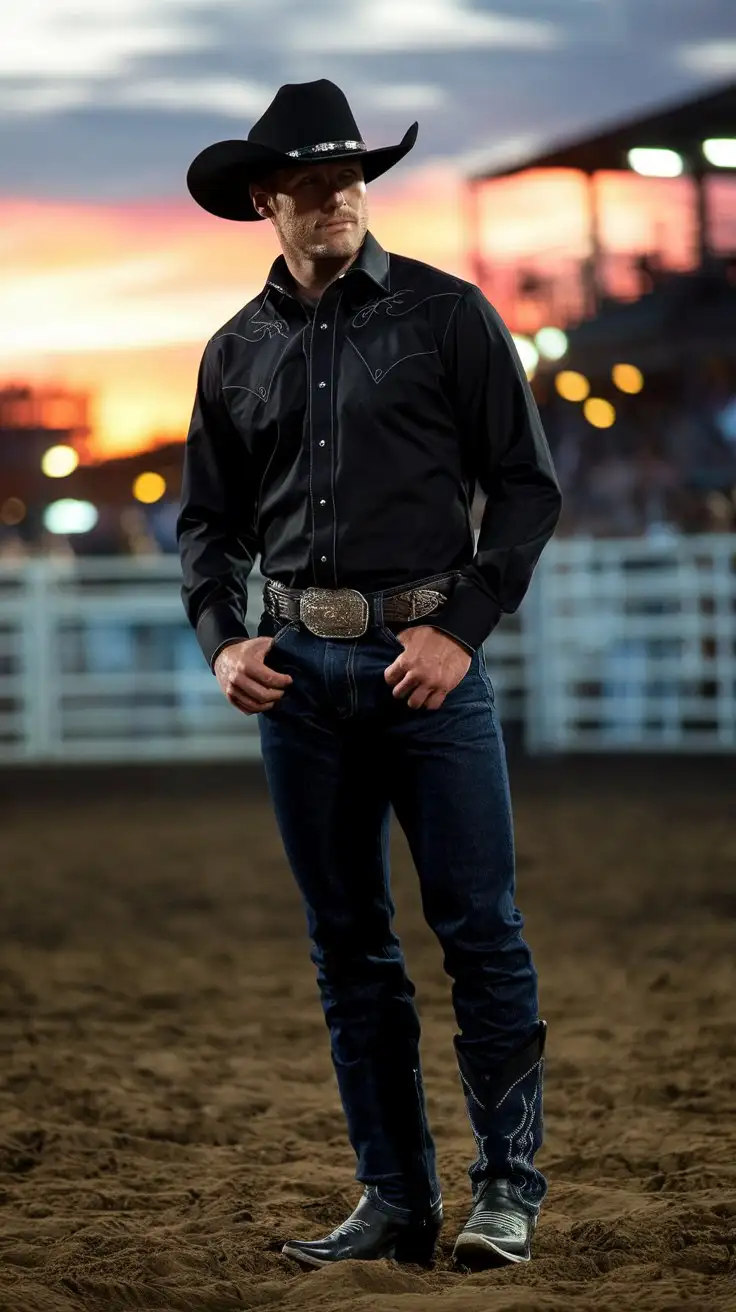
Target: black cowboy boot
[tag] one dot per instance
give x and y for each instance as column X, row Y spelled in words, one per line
column 505, row 1111
column 372, row 1232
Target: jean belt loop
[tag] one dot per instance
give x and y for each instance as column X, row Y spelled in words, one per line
column 377, row 608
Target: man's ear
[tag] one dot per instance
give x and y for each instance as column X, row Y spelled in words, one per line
column 260, row 199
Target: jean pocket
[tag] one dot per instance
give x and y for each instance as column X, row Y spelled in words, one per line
column 390, row 636
column 286, row 628
column 276, row 629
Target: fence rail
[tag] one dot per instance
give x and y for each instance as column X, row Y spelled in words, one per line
column 619, row 645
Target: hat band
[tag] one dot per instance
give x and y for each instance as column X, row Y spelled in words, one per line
column 324, row 147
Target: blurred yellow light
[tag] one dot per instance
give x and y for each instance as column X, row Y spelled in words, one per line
column 598, row 412
column 572, row 386
column 12, row 511
column 627, row 378
column 59, row 461
column 655, row 162
column 720, row 152
column 149, row 488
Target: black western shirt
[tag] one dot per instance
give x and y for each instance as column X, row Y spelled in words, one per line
column 345, row 446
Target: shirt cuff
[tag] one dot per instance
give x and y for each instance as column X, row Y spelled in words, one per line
column 469, row 615
column 217, row 627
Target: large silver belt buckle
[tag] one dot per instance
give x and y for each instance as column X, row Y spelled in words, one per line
column 334, row 613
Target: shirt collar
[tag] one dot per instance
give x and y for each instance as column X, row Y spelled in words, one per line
column 372, row 260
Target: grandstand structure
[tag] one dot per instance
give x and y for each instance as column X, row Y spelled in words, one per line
column 565, row 286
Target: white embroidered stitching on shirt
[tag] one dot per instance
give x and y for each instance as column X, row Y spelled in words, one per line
column 378, row 374
column 262, row 393
column 394, row 305
column 263, row 327
column 333, row 453
column 310, row 443
column 267, row 326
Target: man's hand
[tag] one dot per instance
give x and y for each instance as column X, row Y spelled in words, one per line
column 244, row 678
column 431, row 665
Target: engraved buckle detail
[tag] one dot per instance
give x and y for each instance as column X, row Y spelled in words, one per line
column 424, row 601
column 334, row 613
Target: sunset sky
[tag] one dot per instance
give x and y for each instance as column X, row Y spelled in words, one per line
column 112, row 279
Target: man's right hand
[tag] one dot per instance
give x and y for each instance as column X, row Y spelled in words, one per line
column 244, row 678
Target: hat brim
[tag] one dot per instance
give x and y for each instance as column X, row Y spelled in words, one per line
column 219, row 176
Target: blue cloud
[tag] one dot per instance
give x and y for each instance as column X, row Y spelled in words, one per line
column 100, row 106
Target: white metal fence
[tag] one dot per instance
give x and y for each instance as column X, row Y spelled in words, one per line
column 620, row 645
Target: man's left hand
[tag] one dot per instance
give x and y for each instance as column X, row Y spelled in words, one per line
column 431, row 665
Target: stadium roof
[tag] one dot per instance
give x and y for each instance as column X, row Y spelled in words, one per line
column 681, row 127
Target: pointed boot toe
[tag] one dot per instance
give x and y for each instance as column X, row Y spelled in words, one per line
column 499, row 1230
column 370, row 1234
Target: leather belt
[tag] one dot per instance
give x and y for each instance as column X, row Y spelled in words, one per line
column 347, row 613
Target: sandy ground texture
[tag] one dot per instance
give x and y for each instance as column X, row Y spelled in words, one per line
column 168, row 1111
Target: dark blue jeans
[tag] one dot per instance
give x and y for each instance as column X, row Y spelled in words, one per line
column 339, row 752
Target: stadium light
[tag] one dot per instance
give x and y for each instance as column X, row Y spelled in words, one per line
column 59, row 461
column 528, row 354
column 572, row 386
column 70, row 516
column 627, row 378
column 149, row 487
column 551, row 343
column 720, row 152
column 599, row 413
column 655, row 162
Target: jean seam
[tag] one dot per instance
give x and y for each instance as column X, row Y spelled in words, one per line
column 483, row 670
column 352, row 683
column 386, row 632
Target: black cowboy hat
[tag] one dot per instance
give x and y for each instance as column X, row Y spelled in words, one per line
column 306, row 122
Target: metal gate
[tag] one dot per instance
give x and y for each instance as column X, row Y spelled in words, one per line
column 619, row 645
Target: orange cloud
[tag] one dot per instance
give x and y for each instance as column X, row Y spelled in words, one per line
column 120, row 299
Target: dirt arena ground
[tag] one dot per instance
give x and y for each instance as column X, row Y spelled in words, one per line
column 168, row 1113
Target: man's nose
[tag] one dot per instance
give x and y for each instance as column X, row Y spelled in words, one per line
column 335, row 199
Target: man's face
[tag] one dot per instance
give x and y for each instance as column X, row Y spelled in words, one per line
column 319, row 211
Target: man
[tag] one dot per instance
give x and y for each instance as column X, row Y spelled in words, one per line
column 342, row 421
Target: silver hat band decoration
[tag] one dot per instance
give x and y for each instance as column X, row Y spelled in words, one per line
column 305, row 151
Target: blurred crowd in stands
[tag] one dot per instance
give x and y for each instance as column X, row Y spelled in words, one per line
column 667, row 464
